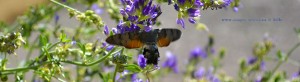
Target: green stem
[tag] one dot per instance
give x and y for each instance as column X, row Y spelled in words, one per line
column 115, row 73
column 92, row 63
column 58, row 3
column 286, row 58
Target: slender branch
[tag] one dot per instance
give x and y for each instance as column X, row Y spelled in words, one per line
column 58, row 3
column 92, row 63
column 115, row 72
column 286, row 58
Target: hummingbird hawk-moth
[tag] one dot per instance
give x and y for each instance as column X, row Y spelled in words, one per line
column 147, row 40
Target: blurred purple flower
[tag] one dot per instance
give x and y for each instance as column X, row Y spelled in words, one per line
column 181, row 2
column 56, row 18
column 115, row 30
column 130, row 9
column 199, row 73
column 176, row 7
column 181, row 22
column 63, row 0
column 132, row 18
column 192, row 20
column 141, row 61
column 235, row 9
column 106, row 31
column 193, row 12
column 258, row 78
column 134, row 78
column 147, row 28
column 198, row 3
column 198, row 52
column 123, row 12
column 147, row 8
column 110, row 47
column 171, row 62
column 96, row 9
column 295, row 75
column 251, row 60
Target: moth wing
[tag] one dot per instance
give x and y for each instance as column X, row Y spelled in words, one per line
column 166, row 36
column 128, row 40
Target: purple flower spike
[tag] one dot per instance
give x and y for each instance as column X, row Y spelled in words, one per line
column 171, row 62
column 252, row 60
column 198, row 74
column 193, row 12
column 106, row 31
column 198, row 52
column 141, row 61
column 192, row 20
column 96, row 9
column 181, row 22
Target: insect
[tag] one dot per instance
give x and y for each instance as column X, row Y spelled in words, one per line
column 146, row 40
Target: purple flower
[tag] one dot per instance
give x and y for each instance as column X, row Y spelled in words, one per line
column 181, row 22
column 130, row 9
column 132, row 18
column 235, row 9
column 295, row 75
column 258, row 78
column 141, row 61
column 147, row 28
column 56, row 18
column 171, row 62
column 96, row 9
column 123, row 12
column 115, row 30
column 192, row 20
column 176, row 7
column 198, row 52
column 106, row 31
column 110, row 47
column 251, row 60
column 199, row 73
column 198, row 3
column 147, row 8
column 63, row 0
column 193, row 12
column 134, row 78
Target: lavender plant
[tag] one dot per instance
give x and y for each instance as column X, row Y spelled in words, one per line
column 92, row 59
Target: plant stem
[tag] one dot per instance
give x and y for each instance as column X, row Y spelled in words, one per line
column 58, row 3
column 92, row 63
column 286, row 58
column 115, row 73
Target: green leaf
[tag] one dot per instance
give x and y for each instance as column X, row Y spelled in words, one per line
column 81, row 46
column 43, row 40
column 280, row 55
column 63, row 38
column 133, row 68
